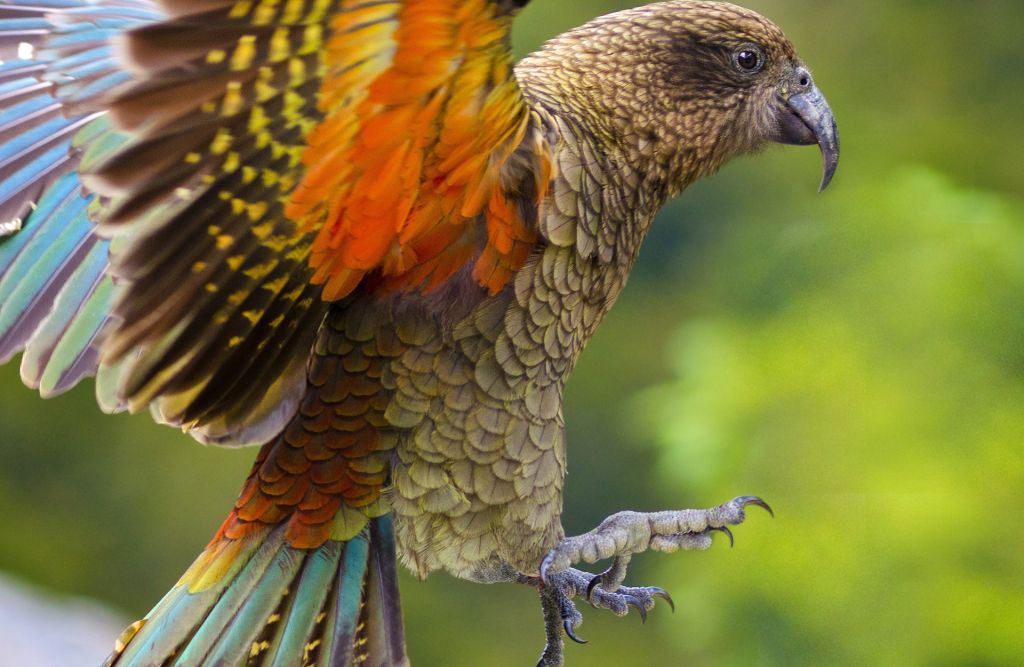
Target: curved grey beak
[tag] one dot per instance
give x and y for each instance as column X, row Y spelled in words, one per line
column 807, row 119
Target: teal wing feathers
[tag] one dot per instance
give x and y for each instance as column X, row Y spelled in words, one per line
column 204, row 311
column 55, row 294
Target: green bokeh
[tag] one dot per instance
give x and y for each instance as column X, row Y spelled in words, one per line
column 857, row 358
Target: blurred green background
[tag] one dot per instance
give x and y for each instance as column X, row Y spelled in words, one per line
column 856, row 358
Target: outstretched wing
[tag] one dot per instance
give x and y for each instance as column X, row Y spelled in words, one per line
column 251, row 162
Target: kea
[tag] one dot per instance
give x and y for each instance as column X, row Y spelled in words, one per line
column 357, row 234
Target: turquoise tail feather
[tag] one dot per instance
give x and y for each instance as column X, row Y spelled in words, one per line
column 382, row 612
column 279, row 606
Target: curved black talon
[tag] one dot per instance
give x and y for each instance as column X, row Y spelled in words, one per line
column 754, row 500
column 567, row 624
column 725, row 529
column 663, row 594
column 590, row 588
column 630, row 600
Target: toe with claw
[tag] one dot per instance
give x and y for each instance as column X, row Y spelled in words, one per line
column 626, row 533
column 561, row 615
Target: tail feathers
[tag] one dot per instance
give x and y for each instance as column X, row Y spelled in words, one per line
column 382, row 609
column 259, row 602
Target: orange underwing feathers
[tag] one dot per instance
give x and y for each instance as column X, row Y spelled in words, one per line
column 421, row 113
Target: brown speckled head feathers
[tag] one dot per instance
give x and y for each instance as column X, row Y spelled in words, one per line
column 659, row 83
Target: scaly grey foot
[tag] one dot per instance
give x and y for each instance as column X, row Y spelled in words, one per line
column 626, row 533
column 561, row 615
column 618, row 538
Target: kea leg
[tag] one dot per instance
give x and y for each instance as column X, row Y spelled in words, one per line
column 618, row 538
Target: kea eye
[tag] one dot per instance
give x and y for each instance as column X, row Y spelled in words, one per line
column 749, row 59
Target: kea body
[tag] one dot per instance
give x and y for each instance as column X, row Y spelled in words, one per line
column 351, row 233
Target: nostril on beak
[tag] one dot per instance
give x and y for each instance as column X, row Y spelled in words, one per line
column 803, row 77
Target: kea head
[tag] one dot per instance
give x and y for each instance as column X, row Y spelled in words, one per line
column 684, row 86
